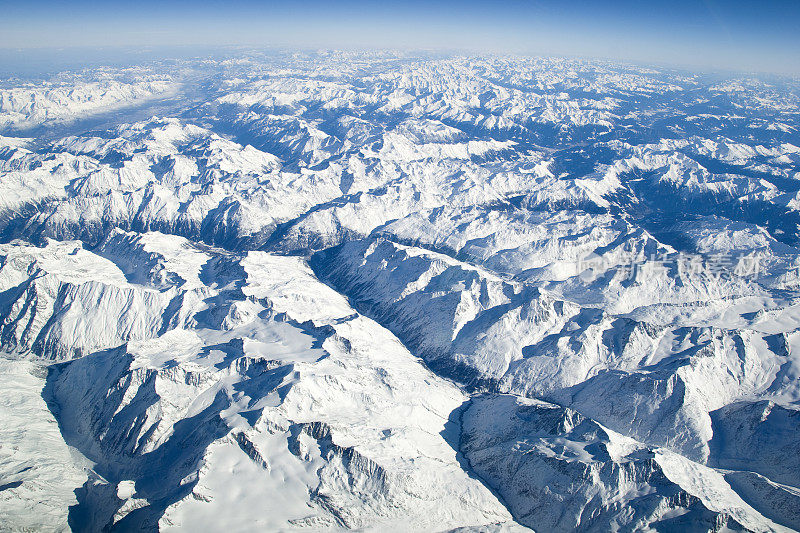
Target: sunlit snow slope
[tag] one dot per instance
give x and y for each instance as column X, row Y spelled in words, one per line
column 389, row 292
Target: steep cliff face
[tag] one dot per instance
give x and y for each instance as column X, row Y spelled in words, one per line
column 63, row 302
column 560, row 471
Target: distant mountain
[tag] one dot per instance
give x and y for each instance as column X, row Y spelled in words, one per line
column 385, row 291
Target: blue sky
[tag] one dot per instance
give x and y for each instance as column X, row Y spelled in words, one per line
column 739, row 35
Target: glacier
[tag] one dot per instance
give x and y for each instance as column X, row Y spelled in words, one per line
column 390, row 291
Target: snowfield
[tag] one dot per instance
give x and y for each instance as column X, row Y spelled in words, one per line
column 301, row 291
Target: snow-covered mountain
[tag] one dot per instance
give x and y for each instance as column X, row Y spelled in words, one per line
column 381, row 291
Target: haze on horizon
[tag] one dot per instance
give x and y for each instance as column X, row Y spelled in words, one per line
column 706, row 34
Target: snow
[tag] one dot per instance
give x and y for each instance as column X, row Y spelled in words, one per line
column 38, row 470
column 395, row 291
column 25, row 107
